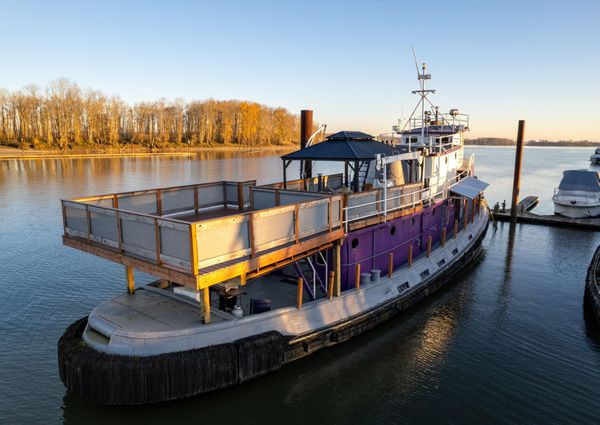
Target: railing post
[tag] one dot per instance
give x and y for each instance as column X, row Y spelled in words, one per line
column 299, row 294
column 240, row 195
column 196, row 200
column 357, row 276
column 331, row 284
column 390, row 264
column 444, row 236
column 157, row 240
column 455, row 228
column 428, row 246
column 88, row 221
column 130, row 279
column 410, row 255
column 158, row 203
column 338, row 268
column 251, row 234
column 193, row 249
column 296, row 224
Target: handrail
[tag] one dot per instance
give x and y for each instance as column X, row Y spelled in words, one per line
column 384, row 211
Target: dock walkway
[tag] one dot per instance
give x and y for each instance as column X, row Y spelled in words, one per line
column 550, row 220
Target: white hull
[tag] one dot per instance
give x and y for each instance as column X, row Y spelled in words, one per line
column 572, row 211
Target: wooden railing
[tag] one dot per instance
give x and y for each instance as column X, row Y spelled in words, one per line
column 190, row 246
column 178, row 199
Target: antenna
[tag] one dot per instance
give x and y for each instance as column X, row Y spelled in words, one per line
column 415, row 58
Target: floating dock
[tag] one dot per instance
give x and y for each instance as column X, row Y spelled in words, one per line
column 550, row 220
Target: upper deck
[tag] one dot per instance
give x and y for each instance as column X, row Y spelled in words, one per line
column 199, row 235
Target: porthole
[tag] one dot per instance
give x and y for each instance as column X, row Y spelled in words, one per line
column 393, row 230
column 354, row 243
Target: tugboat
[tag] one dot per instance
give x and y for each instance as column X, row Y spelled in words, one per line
column 578, row 195
column 595, row 158
column 254, row 277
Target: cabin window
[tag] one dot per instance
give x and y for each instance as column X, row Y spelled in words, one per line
column 393, row 230
column 454, row 251
column 354, row 243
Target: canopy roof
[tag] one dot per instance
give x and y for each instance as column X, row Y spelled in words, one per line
column 469, row 187
column 583, row 180
column 343, row 146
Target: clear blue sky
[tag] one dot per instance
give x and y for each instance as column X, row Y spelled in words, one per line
column 350, row 62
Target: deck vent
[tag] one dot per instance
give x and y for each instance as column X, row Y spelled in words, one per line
column 454, row 251
column 424, row 273
column 441, row 262
column 403, row 287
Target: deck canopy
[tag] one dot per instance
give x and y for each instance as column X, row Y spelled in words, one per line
column 343, row 146
column 582, row 180
column 469, row 187
column 354, row 148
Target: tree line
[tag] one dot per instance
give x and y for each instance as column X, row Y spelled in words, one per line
column 63, row 116
column 496, row 141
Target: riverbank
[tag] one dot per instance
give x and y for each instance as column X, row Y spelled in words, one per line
column 8, row 153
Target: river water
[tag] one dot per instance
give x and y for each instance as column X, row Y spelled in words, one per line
column 508, row 343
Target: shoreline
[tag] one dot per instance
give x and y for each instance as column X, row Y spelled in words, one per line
column 8, row 153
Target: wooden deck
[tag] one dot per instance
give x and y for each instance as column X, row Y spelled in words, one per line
column 551, row 220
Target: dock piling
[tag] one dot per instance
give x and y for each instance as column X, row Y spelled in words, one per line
column 517, row 174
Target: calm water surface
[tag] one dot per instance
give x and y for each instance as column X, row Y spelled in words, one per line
column 508, row 343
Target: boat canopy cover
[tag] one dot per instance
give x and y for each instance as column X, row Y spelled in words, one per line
column 343, row 146
column 583, row 180
column 469, row 187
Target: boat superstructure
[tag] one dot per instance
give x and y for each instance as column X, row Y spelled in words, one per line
column 254, row 276
column 578, row 195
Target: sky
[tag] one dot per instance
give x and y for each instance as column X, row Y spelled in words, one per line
column 349, row 61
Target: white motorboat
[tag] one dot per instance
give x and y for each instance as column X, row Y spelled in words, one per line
column 578, row 195
column 595, row 158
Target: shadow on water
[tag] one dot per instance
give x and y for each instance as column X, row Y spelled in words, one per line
column 396, row 360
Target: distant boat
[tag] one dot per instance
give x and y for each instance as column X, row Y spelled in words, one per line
column 578, row 195
column 595, row 158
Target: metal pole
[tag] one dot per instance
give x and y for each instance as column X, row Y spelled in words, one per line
column 517, row 176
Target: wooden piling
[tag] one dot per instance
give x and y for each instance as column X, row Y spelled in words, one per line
column 299, row 295
column 444, row 236
column 130, row 279
column 206, row 304
column 410, row 255
column 428, row 246
column 331, row 284
column 390, row 264
column 357, row 276
column 517, row 174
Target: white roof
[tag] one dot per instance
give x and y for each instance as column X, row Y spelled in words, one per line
column 469, row 187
